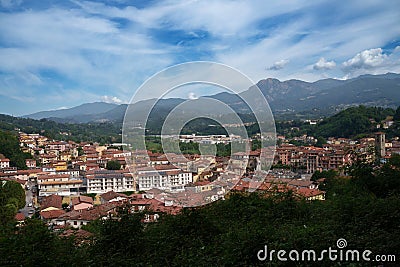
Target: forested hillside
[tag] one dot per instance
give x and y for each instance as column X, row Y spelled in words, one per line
column 94, row 132
column 9, row 147
column 353, row 121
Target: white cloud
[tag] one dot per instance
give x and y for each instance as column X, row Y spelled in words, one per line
column 96, row 45
column 334, row 40
column 111, row 99
column 372, row 61
column 323, row 64
column 91, row 51
column 280, row 64
column 366, row 59
column 192, row 96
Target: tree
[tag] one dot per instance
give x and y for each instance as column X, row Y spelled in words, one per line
column 320, row 141
column 34, row 245
column 9, row 147
column 324, row 174
column 396, row 116
column 12, row 198
column 113, row 165
column 80, row 151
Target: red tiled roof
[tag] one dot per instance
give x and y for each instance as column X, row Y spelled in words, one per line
column 53, row 176
column 306, row 192
column 165, row 167
column 111, row 195
column 91, row 214
column 81, row 199
column 200, row 183
column 51, row 201
column 51, row 214
column 80, row 233
column 19, row 216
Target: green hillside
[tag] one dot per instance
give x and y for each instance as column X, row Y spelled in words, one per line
column 352, row 122
column 9, row 147
column 94, row 132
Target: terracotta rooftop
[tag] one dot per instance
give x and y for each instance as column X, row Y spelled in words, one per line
column 81, row 199
column 51, row 214
column 111, row 195
column 51, row 201
column 19, row 216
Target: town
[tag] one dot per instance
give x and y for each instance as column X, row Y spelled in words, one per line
column 70, row 184
column 199, row 133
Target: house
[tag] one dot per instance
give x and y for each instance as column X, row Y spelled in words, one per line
column 4, row 163
column 71, row 173
column 296, row 183
column 54, row 201
column 80, row 236
column 81, row 202
column 50, row 215
column 60, row 165
column 56, row 146
column 112, row 196
column 30, row 163
column 77, row 219
column 65, row 156
column 152, row 207
column 203, row 186
column 47, row 158
column 310, row 194
column 20, row 218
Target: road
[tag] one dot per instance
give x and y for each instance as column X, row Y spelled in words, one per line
column 28, row 211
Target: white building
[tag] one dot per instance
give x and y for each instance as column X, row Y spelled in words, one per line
column 4, row 163
column 163, row 177
column 59, row 184
column 102, row 181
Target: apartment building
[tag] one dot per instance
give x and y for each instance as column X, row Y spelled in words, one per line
column 102, row 181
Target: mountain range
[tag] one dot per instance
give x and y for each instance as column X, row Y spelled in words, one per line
column 292, row 96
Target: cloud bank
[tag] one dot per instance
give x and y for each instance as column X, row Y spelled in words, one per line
column 57, row 53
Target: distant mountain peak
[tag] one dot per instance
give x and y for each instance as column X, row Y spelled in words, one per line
column 283, row 96
column 83, row 109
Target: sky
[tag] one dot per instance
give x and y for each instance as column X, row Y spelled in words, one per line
column 60, row 54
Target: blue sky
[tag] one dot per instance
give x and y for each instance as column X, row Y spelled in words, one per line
column 56, row 54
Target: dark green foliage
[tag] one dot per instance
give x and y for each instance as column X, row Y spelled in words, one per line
column 383, row 182
column 255, row 144
column 324, row 174
column 189, row 148
column 351, row 122
column 12, row 198
column 223, row 150
column 396, row 115
column 99, row 132
column 113, row 165
column 34, row 245
column 320, row 141
column 118, row 242
column 9, row 147
column 354, row 122
column 231, row 232
column 153, row 144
